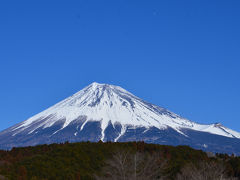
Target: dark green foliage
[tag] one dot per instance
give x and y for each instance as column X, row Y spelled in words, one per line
column 85, row 160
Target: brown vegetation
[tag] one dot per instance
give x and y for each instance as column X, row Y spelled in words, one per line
column 117, row 161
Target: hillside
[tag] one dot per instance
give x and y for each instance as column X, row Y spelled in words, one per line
column 100, row 160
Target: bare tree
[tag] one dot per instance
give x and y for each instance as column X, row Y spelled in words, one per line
column 149, row 166
column 204, row 171
column 125, row 165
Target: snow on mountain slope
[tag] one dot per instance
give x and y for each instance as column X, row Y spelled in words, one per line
column 108, row 103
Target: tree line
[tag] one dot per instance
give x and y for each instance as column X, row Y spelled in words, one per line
column 116, row 161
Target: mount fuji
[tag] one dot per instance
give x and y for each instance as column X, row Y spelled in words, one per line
column 110, row 113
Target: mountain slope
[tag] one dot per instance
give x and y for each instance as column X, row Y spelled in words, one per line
column 108, row 113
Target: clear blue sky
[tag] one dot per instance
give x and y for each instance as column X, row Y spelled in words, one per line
column 182, row 55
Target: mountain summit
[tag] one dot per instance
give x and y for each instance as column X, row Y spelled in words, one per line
column 110, row 113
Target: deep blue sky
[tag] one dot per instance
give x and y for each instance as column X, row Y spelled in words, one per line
column 182, row 55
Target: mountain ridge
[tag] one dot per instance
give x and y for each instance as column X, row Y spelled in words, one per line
column 106, row 112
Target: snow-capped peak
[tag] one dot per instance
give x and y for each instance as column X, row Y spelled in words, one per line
column 108, row 103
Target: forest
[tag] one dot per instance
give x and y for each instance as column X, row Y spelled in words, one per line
column 117, row 161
